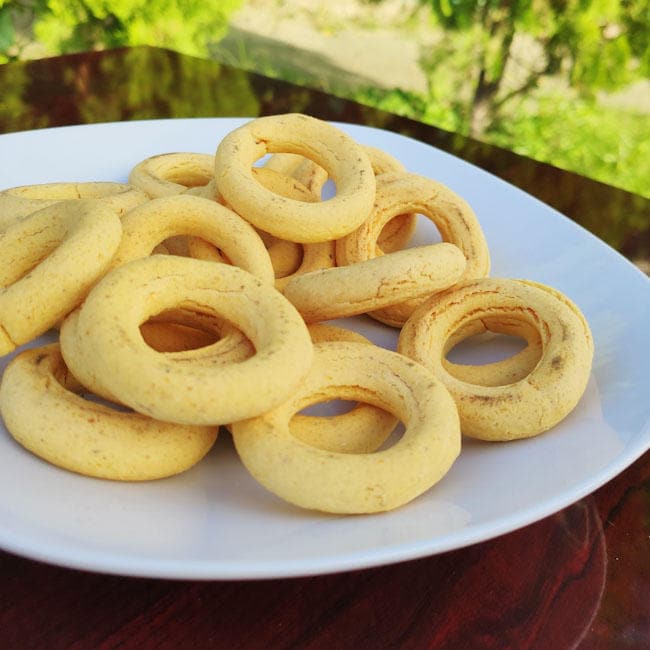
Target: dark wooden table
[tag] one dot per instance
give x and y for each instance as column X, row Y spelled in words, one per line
column 580, row 578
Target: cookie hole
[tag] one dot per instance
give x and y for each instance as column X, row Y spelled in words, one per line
column 196, row 248
column 397, row 233
column 114, row 406
column 400, row 233
column 346, row 426
column 329, row 190
column 177, row 245
column 299, row 189
column 262, row 162
column 178, row 331
column 329, row 408
column 492, row 359
column 190, row 177
column 485, row 348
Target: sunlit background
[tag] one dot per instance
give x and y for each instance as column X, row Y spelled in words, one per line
column 562, row 81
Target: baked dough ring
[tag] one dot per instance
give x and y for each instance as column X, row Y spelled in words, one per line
column 399, row 193
column 345, row 161
column 525, row 407
column 170, row 216
column 44, row 416
column 168, row 174
column 18, row 202
column 51, row 258
column 374, row 283
column 356, row 483
column 362, row 429
column 109, row 345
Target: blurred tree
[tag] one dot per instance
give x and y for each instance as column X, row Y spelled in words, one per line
column 62, row 26
column 592, row 44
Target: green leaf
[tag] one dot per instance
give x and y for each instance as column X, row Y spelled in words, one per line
column 446, row 8
column 7, row 31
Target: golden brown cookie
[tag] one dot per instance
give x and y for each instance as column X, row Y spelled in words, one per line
column 18, row 202
column 51, row 258
column 43, row 414
column 356, row 483
column 168, row 174
column 375, row 283
column 345, row 161
column 108, row 346
column 525, row 407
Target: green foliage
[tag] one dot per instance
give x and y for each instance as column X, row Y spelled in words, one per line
column 610, row 145
column 7, row 31
column 594, row 44
column 63, row 26
column 607, row 144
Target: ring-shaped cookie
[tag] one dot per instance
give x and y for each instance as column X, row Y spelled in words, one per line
column 356, row 483
column 164, row 218
column 18, row 202
column 110, row 347
column 529, row 406
column 345, row 161
column 51, row 258
column 399, row 193
column 168, row 174
column 375, row 283
column 46, row 417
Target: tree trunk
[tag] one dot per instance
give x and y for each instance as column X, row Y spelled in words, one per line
column 482, row 108
column 501, row 29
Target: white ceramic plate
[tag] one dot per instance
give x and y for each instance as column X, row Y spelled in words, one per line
column 215, row 521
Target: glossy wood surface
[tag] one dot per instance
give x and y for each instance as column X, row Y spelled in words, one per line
column 580, row 578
